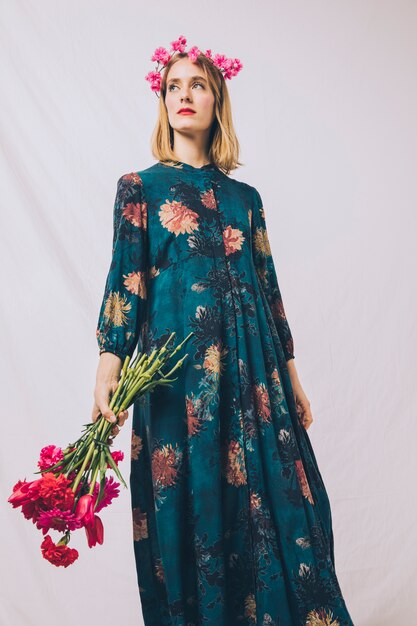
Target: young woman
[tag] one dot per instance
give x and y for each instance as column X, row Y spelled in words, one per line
column 231, row 519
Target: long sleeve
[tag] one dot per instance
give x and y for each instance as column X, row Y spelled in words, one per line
column 265, row 269
column 125, row 290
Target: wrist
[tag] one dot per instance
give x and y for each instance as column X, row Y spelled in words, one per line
column 109, row 367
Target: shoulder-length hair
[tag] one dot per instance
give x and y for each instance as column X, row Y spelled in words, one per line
column 223, row 149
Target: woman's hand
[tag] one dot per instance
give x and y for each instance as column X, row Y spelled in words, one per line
column 301, row 400
column 108, row 374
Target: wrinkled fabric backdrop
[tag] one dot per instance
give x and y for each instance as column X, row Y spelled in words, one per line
column 324, row 109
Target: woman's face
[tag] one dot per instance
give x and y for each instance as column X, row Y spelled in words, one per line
column 188, row 88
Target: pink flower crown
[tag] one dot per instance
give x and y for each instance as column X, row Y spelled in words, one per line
column 227, row 66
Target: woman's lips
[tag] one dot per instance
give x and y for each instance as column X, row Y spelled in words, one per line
column 186, row 112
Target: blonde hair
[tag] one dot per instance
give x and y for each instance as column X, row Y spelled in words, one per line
column 223, row 142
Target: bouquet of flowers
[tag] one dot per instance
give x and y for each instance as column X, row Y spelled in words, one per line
column 74, row 485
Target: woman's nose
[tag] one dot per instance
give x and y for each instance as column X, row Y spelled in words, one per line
column 185, row 94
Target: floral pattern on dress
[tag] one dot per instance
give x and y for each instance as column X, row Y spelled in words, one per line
column 231, row 519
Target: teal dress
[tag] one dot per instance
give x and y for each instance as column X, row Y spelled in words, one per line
column 231, row 519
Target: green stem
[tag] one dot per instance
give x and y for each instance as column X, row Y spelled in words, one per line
column 95, row 471
column 134, row 381
column 83, row 466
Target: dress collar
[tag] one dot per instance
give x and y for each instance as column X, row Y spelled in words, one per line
column 190, row 168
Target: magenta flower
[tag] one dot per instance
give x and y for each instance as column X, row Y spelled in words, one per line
column 117, row 456
column 161, row 55
column 179, row 44
column 230, row 67
column 57, row 520
column 193, row 53
column 219, row 61
column 111, row 491
column 233, row 67
column 155, row 80
column 49, row 456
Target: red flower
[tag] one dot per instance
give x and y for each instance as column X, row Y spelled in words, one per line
column 32, row 510
column 58, row 554
column 94, row 532
column 91, row 522
column 54, row 491
column 85, row 509
column 24, row 492
column 26, row 495
column 48, row 492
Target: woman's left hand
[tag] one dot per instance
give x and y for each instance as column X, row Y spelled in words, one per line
column 303, row 408
column 301, row 400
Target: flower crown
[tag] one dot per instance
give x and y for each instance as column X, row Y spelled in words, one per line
column 229, row 67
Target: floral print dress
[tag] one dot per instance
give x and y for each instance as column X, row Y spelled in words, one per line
column 231, row 519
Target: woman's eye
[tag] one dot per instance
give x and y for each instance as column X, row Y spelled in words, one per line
column 196, row 83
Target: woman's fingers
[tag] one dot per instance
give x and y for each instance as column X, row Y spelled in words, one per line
column 307, row 419
column 115, row 430
column 101, row 397
column 304, row 412
column 123, row 415
column 95, row 413
column 107, row 413
column 101, row 406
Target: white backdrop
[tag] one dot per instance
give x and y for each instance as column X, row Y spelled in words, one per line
column 325, row 110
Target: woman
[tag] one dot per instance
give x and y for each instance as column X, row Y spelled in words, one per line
column 231, row 520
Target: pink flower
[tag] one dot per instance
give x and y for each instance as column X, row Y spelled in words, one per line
column 57, row 520
column 230, row 67
column 111, row 491
column 95, row 532
column 161, row 55
column 49, row 456
column 179, row 44
column 233, row 67
column 219, row 61
column 193, row 53
column 117, row 456
column 155, row 79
